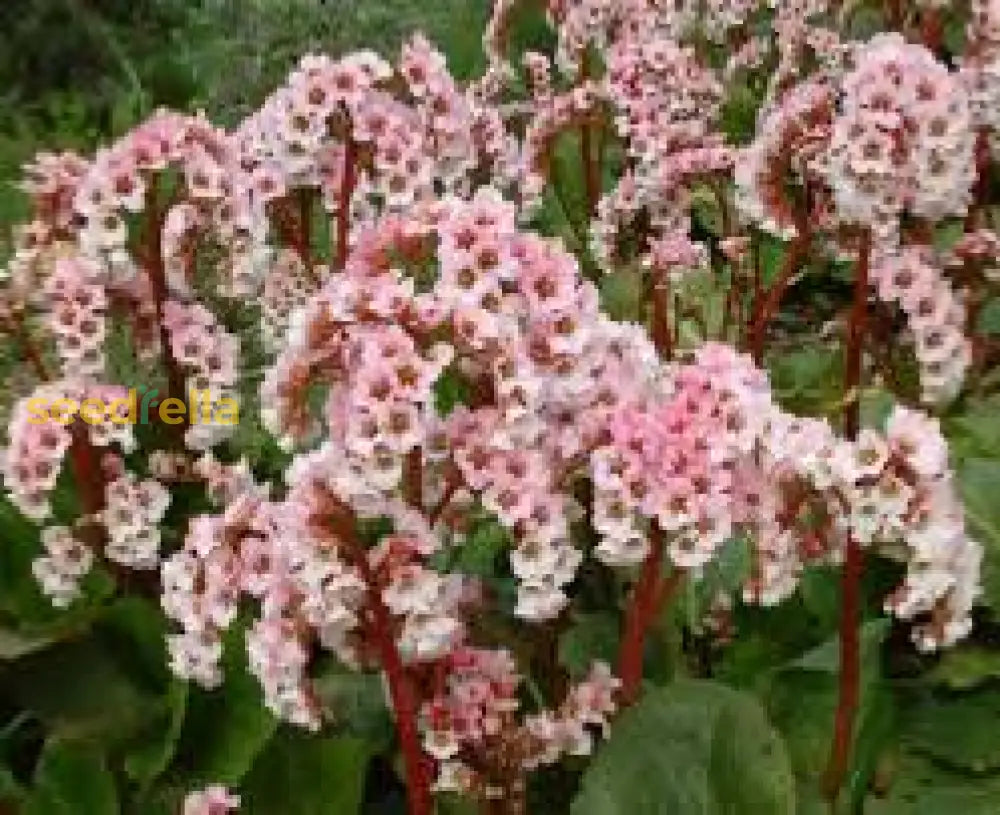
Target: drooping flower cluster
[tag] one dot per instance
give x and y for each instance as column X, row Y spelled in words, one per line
column 893, row 491
column 210, row 356
column 76, row 306
column 40, row 434
column 667, row 103
column 903, row 139
column 935, row 315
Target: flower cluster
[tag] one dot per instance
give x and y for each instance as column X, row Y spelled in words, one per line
column 40, row 433
column 471, row 726
column 903, row 139
column 935, row 315
column 65, row 562
column 213, row 800
column 210, row 355
column 672, row 460
column 132, row 513
column 893, row 491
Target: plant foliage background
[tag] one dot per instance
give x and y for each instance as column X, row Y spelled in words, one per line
column 92, row 723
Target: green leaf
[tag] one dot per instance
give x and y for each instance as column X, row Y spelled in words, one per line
column 921, row 787
column 299, row 774
column 590, row 637
column 14, row 644
column 79, row 689
column 979, row 480
column 136, row 626
column 989, row 317
column 801, row 698
column 808, row 379
column 975, row 433
column 225, row 728
column 72, row 779
column 739, row 114
column 826, row 657
column 962, row 732
column 11, row 791
column 967, row 667
column 480, row 553
column 151, row 754
column 621, row 294
column 355, row 703
column 691, row 747
column 450, row 390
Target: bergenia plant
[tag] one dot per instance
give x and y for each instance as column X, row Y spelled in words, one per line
column 493, row 393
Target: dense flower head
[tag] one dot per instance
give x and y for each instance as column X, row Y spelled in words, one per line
column 51, row 180
column 209, row 355
column 903, row 139
column 65, row 563
column 132, row 514
column 671, row 460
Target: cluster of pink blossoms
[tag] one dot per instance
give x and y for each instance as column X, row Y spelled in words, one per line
column 886, row 135
column 383, row 149
column 210, row 356
column 667, row 103
column 65, row 563
column 672, row 459
column 473, row 723
column 214, row 800
column 37, row 443
column 432, row 284
column 935, row 316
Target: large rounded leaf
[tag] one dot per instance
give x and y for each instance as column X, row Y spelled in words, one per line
column 693, row 747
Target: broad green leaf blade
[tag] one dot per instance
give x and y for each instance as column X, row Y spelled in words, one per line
column 300, row 774
column 693, row 747
column 921, row 787
column 591, row 637
column 152, row 753
column 79, row 689
column 962, row 732
column 967, row 667
column 72, row 779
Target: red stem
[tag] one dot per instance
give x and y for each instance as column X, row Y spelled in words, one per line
column 401, row 690
column 304, row 238
column 660, row 328
column 89, row 481
column 158, row 283
column 766, row 308
column 850, row 600
column 931, row 29
column 647, row 598
column 347, row 184
column 413, row 478
column 894, row 13
column 591, row 179
column 404, row 703
column 981, row 185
